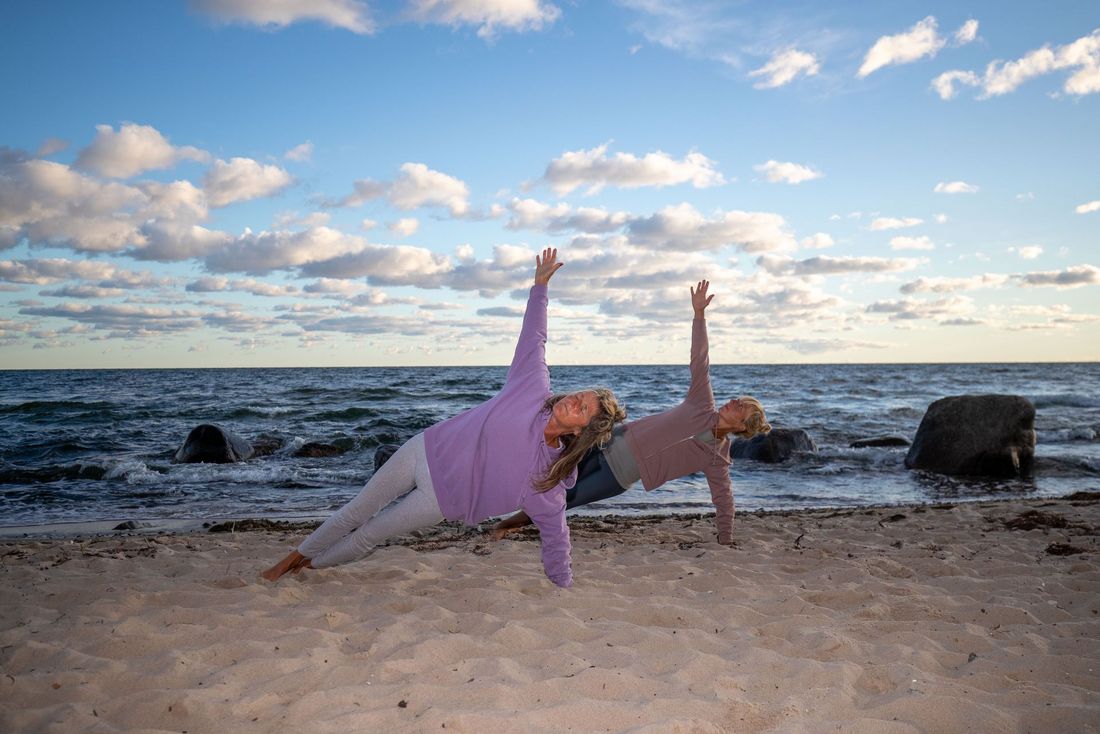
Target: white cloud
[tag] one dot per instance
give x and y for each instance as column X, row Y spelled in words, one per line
column 1072, row 277
column 944, row 84
column 489, row 16
column 351, row 15
column 302, row 153
column 912, row 243
column 967, row 32
column 50, row 146
column 53, row 270
column 246, row 285
column 416, row 186
column 167, row 242
column 593, row 168
column 940, row 218
column 950, row 285
column 682, row 228
column 367, row 225
column 826, row 265
column 911, row 309
column 894, row 223
column 419, row 186
column 122, row 320
column 955, row 187
column 242, row 179
column 817, row 240
column 383, row 265
column 132, row 150
column 792, row 173
column 405, row 227
column 1029, row 252
column 1092, row 206
column 258, row 254
column 784, row 66
column 903, row 48
column 532, row 214
column 1082, row 57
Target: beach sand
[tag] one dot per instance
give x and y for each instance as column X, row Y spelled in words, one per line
column 952, row 618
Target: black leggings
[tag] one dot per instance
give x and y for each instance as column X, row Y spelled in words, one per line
column 595, row 481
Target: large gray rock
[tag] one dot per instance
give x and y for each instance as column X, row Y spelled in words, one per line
column 778, row 445
column 976, row 435
column 210, row 444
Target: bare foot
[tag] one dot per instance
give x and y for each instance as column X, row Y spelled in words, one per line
column 294, row 561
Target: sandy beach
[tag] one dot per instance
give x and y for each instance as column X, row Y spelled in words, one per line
column 950, row 618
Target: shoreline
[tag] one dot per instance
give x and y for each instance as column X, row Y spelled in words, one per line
column 896, row 619
column 110, row 528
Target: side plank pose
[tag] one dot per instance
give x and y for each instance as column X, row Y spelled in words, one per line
column 691, row 437
column 534, row 438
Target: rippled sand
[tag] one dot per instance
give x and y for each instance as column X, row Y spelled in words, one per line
column 968, row 618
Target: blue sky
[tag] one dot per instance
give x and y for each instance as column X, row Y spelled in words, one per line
column 291, row 183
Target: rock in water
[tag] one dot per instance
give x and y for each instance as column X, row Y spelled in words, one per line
column 976, row 435
column 778, row 445
column 314, row 450
column 210, row 444
column 864, row 443
column 383, row 453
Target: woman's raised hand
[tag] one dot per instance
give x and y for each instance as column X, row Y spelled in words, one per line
column 546, row 265
column 699, row 298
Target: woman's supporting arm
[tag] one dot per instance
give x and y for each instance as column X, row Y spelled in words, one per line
column 547, row 510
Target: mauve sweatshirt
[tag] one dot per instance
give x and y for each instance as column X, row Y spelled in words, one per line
column 483, row 461
column 667, row 445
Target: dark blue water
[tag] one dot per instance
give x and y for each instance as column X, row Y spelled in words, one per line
column 97, row 444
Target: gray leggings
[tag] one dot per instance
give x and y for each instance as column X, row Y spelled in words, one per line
column 359, row 525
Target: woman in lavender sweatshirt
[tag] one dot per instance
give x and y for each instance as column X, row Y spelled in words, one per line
column 534, row 438
column 693, row 436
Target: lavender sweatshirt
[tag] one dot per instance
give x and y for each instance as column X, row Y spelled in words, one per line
column 483, row 461
column 667, row 445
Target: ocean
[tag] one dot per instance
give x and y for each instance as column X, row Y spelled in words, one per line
column 97, row 445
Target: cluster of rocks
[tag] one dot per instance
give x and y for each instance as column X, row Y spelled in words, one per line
column 964, row 435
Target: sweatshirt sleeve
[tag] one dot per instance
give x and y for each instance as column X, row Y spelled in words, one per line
column 547, row 510
column 721, row 494
column 700, row 391
column 531, row 348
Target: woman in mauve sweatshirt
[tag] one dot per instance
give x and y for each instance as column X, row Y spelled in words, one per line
column 518, row 450
column 693, row 436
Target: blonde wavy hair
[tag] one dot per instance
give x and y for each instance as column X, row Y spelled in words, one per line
column 756, row 422
column 596, row 433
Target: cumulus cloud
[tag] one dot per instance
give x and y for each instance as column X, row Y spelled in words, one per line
column 955, row 187
column 351, row 15
column 506, row 311
column 944, row 84
column 950, row 285
column 594, row 169
column 816, row 241
column 1028, row 252
column 243, row 179
column 259, row 254
column 784, row 67
column 122, row 320
column 170, row 242
column 49, row 203
column 384, row 265
column 1081, row 57
column 911, row 309
column 82, row 291
column 1092, row 206
column 132, row 150
column 302, row 153
column 405, row 227
column 532, row 214
column 967, row 32
column 211, row 284
column 826, row 265
column 792, row 173
column 489, row 16
column 1072, row 277
column 415, row 187
column 912, row 243
column 50, row 146
column 895, row 223
column 684, row 228
column 903, row 48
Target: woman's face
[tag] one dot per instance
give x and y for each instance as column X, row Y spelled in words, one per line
column 575, row 410
column 732, row 415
